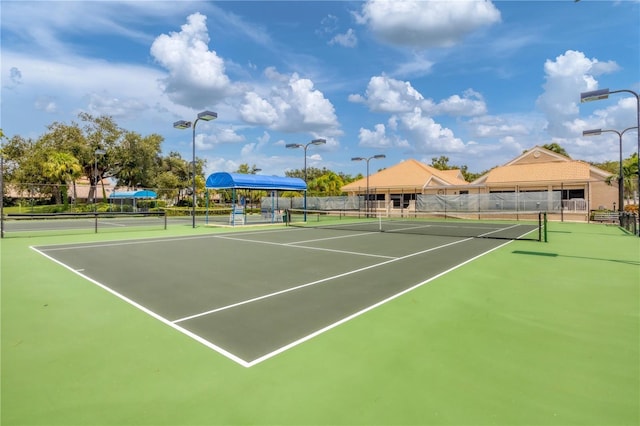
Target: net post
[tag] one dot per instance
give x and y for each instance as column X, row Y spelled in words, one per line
column 165, row 219
column 539, row 226
column 95, row 215
column 542, row 226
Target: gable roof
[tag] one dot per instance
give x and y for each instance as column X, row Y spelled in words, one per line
column 541, row 165
column 410, row 174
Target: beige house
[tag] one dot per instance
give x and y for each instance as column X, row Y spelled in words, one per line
column 78, row 191
column 396, row 187
column 582, row 186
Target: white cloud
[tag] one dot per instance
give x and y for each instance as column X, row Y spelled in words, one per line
column 429, row 136
column 470, row 104
column 417, row 66
column 502, row 126
column 196, row 74
column 47, row 104
column 257, row 110
column 565, row 78
column 104, row 104
column 208, row 137
column 378, row 138
column 426, row 24
column 347, row 39
column 386, row 94
column 292, row 104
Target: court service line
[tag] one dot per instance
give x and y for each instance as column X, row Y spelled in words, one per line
column 331, row 238
column 294, row 244
column 312, row 283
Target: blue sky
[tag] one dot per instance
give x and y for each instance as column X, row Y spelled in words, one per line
column 478, row 82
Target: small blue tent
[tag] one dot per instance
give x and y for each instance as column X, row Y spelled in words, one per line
column 223, row 180
column 143, row 194
column 125, row 196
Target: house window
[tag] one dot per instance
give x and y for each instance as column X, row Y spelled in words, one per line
column 568, row 194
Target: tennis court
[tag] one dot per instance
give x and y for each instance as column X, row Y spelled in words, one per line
column 528, row 333
column 301, row 282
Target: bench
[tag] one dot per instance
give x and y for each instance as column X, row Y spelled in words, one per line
column 612, row 217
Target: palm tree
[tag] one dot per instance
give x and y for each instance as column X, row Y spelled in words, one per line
column 61, row 168
column 328, row 184
column 630, row 178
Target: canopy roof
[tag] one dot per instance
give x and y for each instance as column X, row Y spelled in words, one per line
column 133, row 194
column 223, row 180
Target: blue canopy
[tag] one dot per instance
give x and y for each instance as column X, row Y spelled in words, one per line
column 223, row 180
column 133, row 194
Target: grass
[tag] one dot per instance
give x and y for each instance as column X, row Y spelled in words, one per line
column 530, row 334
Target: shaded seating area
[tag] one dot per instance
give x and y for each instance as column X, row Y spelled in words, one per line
column 132, row 201
column 271, row 184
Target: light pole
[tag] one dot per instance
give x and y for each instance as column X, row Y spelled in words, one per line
column 597, row 95
column 299, row 145
column 182, row 124
column 377, row 157
column 596, row 132
column 95, row 176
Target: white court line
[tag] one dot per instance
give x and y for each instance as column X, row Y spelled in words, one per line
column 105, row 223
column 333, row 238
column 149, row 312
column 295, row 244
column 150, row 240
column 277, row 293
column 267, row 356
column 365, row 310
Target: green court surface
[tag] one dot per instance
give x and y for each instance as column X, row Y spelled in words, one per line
column 518, row 333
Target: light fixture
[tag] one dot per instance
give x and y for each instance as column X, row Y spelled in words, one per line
column 597, row 132
column 367, row 159
column 318, row 141
column 597, row 95
column 183, row 124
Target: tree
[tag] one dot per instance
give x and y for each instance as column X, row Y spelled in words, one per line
column 25, row 166
column 174, row 176
column 312, row 173
column 329, row 184
column 245, row 169
column 629, row 174
column 136, row 161
column 556, row 148
column 250, row 195
column 167, row 185
column 61, row 168
column 442, row 163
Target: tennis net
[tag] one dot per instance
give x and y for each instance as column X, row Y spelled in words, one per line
column 33, row 224
column 506, row 226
